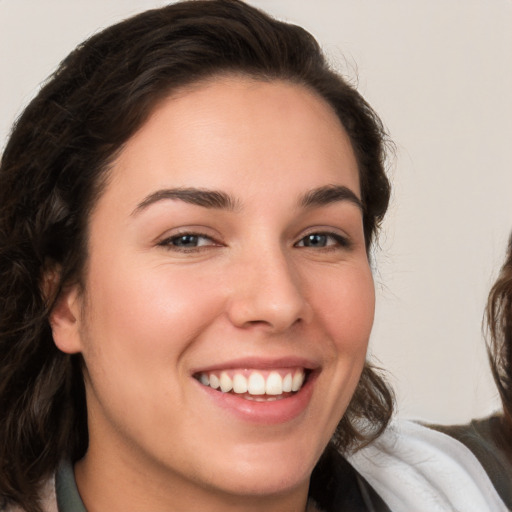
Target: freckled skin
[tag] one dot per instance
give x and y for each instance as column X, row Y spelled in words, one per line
column 152, row 312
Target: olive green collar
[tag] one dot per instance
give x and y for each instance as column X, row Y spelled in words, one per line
column 68, row 498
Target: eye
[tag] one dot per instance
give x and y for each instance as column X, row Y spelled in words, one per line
column 187, row 241
column 323, row 240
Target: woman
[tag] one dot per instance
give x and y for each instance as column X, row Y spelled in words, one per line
column 499, row 321
column 186, row 294
column 490, row 439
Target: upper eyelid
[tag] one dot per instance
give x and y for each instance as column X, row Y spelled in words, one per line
column 324, row 230
column 188, row 230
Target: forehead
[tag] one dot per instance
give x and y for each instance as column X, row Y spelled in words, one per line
column 234, row 132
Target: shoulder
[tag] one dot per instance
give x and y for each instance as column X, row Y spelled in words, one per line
column 413, row 467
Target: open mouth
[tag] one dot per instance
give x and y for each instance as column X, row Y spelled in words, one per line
column 255, row 384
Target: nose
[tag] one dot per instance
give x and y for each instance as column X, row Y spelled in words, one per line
column 268, row 293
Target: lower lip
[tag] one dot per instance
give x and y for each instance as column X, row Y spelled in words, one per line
column 264, row 413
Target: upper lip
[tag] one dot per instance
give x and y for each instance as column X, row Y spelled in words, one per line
column 260, row 363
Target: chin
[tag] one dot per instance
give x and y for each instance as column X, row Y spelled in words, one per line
column 265, row 472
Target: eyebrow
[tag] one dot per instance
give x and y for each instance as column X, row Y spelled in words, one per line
column 329, row 194
column 221, row 201
column 199, row 197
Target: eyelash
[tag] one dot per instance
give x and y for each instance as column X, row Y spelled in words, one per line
column 340, row 242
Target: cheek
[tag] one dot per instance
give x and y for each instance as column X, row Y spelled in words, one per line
column 150, row 314
column 346, row 305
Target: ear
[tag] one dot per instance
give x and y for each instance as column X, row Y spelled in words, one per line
column 65, row 320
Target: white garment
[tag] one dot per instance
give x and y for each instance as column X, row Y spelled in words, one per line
column 417, row 469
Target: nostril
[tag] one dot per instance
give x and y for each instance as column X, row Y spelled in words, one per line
column 272, row 324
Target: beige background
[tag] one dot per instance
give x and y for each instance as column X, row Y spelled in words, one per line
column 439, row 72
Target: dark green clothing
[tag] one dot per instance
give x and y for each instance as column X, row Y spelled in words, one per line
column 68, row 499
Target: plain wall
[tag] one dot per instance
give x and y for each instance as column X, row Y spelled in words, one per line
column 439, row 73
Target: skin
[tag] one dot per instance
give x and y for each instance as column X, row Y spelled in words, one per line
column 151, row 313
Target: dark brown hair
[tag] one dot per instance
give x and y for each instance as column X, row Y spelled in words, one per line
column 499, row 326
column 54, row 167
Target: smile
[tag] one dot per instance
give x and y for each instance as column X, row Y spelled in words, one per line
column 257, row 385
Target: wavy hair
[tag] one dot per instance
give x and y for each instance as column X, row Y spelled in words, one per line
column 56, row 163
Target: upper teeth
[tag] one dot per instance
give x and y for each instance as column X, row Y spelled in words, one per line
column 254, row 382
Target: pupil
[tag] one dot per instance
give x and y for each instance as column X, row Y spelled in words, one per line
column 316, row 240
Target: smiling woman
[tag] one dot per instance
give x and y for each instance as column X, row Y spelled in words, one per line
column 191, row 297
column 194, row 256
column 186, row 296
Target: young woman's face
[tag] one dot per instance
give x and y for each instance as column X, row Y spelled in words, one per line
column 227, row 250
